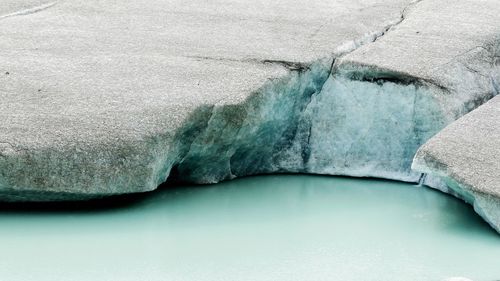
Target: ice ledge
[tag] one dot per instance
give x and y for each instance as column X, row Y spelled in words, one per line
column 465, row 156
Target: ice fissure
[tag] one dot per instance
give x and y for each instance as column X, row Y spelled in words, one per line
column 29, row 11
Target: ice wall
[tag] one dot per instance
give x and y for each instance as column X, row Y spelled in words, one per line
column 262, row 135
column 371, row 128
column 325, row 119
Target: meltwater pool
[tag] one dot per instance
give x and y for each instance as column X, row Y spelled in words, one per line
column 279, row 227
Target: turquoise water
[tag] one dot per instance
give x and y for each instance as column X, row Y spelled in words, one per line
column 260, row 228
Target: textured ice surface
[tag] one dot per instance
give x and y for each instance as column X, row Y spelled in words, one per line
column 308, row 123
column 249, row 138
column 367, row 128
column 344, row 120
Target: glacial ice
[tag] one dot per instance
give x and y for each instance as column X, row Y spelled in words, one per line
column 330, row 119
column 364, row 128
column 256, row 136
column 326, row 118
column 333, row 118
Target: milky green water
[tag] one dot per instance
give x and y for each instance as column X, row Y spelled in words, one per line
column 260, row 228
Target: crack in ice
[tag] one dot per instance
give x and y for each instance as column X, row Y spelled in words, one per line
column 29, row 11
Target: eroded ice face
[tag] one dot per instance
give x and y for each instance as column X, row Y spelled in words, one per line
column 318, row 123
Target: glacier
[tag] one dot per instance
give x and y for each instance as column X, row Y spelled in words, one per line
column 197, row 93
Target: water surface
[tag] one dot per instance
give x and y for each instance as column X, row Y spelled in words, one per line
column 288, row 227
